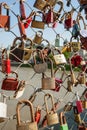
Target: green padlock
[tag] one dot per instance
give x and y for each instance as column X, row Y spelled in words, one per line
column 63, row 123
column 57, row 41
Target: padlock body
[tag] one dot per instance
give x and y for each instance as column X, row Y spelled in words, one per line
column 27, row 126
column 68, row 23
column 48, row 83
column 64, row 127
column 6, row 66
column 52, row 119
column 79, row 106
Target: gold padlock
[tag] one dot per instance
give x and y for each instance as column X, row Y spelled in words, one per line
column 27, row 125
column 52, row 117
column 48, row 82
column 38, row 37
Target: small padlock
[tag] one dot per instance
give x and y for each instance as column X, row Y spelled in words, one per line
column 52, row 117
column 30, row 125
column 84, row 104
column 57, row 41
column 82, row 78
column 38, row 37
column 77, row 115
column 79, row 104
column 38, row 114
column 6, row 63
column 63, row 123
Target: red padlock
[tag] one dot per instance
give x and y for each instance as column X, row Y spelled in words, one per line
column 57, row 84
column 22, row 10
column 68, row 21
column 38, row 115
column 79, row 104
column 6, row 63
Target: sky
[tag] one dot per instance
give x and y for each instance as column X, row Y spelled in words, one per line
column 6, row 37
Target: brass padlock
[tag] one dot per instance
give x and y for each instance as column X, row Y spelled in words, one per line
column 52, row 117
column 27, row 125
column 38, row 37
column 40, row 4
column 75, row 45
column 38, row 23
column 48, row 82
column 84, row 104
column 77, row 116
column 82, row 78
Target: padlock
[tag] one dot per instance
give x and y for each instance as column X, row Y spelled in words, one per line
column 69, row 85
column 38, row 114
column 4, row 19
column 40, row 4
column 21, row 27
column 79, row 104
column 75, row 29
column 63, row 123
column 68, row 107
column 30, row 125
column 75, row 45
column 48, row 82
column 38, row 23
column 79, row 19
column 59, row 58
column 38, row 37
column 6, row 63
column 22, row 10
column 82, row 127
column 48, row 14
column 82, row 78
column 51, row 115
column 57, row 12
column 77, row 116
column 68, row 23
column 84, row 104
column 57, row 41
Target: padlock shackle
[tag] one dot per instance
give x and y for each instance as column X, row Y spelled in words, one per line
column 62, row 118
column 28, row 103
column 60, row 2
column 46, row 105
column 40, row 32
column 15, row 40
column 36, row 14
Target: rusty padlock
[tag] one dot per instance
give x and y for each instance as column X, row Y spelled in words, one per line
column 63, row 123
column 30, row 125
column 4, row 19
column 51, row 115
column 48, row 82
column 38, row 37
column 6, row 63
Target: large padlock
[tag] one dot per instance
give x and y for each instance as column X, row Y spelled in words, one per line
column 48, row 14
column 63, row 123
column 4, row 19
column 38, row 37
column 77, row 116
column 51, row 115
column 6, row 63
column 59, row 58
column 48, row 82
column 30, row 125
column 38, row 23
column 75, row 45
column 40, row 4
